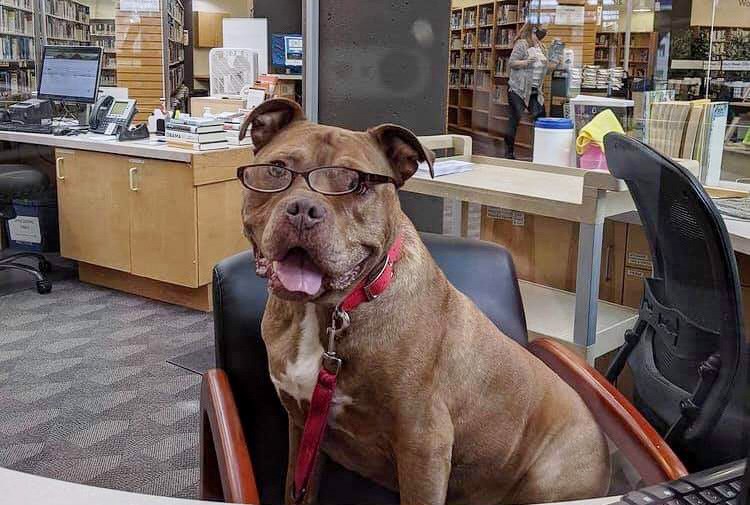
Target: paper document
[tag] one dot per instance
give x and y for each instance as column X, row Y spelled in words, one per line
column 446, row 167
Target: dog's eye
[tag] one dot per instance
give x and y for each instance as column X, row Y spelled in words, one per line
column 276, row 171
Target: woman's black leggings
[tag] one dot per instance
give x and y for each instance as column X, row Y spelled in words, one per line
column 516, row 110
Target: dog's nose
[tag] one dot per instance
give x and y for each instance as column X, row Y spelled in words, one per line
column 305, row 212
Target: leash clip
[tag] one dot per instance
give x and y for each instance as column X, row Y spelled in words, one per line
column 339, row 322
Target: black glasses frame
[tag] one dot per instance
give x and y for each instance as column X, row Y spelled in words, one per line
column 365, row 180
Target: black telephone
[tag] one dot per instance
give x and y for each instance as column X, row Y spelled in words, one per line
column 111, row 115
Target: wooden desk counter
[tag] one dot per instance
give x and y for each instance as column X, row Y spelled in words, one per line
column 145, row 218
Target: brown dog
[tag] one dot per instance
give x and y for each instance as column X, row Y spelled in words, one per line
column 432, row 400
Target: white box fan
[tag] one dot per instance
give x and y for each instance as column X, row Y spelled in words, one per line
column 230, row 70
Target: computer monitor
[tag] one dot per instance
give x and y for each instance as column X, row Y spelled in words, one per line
column 70, row 73
column 286, row 52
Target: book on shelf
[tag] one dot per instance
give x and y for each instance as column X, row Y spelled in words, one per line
column 16, row 48
column 201, row 138
column 197, row 146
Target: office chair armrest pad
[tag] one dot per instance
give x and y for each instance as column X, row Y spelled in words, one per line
column 639, row 442
column 226, row 468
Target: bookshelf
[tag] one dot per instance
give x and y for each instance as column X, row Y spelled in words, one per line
column 151, row 56
column 140, row 62
column 174, row 26
column 66, row 22
column 17, row 49
column 609, row 51
column 481, row 42
column 103, row 35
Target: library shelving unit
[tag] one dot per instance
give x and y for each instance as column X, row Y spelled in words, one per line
column 478, row 74
column 609, row 51
column 66, row 22
column 175, row 22
column 103, row 35
column 151, row 56
column 481, row 41
column 140, row 65
column 17, row 36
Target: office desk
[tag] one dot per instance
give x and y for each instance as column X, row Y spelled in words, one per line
column 144, row 218
column 594, row 327
column 22, row 488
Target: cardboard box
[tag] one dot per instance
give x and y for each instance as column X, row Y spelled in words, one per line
column 637, row 251
column 632, row 286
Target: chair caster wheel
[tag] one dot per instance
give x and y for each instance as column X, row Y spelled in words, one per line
column 43, row 287
column 45, row 266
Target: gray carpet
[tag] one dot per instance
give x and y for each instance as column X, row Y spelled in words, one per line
column 87, row 395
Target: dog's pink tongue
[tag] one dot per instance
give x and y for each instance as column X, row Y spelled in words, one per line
column 297, row 273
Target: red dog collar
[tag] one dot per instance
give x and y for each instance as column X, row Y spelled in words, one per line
column 320, row 403
column 374, row 285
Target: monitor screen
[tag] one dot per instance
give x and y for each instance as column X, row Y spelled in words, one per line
column 70, row 73
column 287, row 50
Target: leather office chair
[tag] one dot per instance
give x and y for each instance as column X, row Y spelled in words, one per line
column 685, row 350
column 242, row 416
column 21, row 181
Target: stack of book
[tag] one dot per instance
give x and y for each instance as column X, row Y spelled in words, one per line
column 232, row 131
column 199, row 134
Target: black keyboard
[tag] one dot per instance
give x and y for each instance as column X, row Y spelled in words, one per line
column 717, row 486
column 25, row 128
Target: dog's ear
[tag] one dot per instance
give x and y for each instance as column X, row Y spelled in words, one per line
column 268, row 119
column 403, row 150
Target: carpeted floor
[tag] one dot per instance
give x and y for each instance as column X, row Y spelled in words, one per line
column 87, row 394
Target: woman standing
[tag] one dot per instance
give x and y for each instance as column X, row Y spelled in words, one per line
column 528, row 64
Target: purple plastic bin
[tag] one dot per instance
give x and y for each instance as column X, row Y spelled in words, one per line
column 593, row 158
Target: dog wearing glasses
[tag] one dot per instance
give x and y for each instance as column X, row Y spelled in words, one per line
column 433, row 401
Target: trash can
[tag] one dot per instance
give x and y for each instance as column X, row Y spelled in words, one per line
column 35, row 226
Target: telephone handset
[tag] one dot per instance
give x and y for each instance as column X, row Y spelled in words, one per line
column 110, row 115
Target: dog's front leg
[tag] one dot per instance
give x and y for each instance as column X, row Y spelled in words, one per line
column 423, row 459
column 295, row 435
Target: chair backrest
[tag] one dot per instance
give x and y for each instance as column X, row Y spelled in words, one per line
column 482, row 271
column 692, row 306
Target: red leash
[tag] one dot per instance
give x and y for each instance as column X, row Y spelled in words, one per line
column 322, row 397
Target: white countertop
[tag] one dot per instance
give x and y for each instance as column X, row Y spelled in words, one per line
column 23, row 489
column 91, row 142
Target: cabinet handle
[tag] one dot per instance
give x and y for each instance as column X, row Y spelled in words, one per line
column 607, row 273
column 131, row 176
column 58, row 166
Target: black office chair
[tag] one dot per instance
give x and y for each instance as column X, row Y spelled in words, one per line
column 23, row 181
column 686, row 348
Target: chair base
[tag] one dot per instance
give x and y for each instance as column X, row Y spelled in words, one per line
column 43, row 284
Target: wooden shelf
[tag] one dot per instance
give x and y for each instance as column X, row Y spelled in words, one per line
column 14, row 34
column 67, row 19
column 23, row 9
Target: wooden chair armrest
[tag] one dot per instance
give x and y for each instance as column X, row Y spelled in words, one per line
column 226, row 469
column 641, row 445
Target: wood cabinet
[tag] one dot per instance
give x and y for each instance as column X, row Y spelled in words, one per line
column 545, row 249
column 208, row 28
column 93, row 197
column 163, row 229
column 149, row 226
